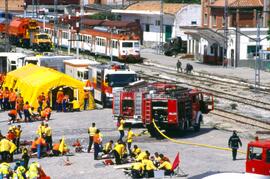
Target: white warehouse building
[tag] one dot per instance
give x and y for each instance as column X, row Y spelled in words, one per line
column 147, row 13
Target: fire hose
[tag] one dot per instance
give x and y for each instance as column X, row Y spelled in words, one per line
column 192, row 143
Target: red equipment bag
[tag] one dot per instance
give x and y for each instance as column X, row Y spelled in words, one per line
column 108, row 162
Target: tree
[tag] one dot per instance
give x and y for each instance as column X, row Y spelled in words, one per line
column 103, row 16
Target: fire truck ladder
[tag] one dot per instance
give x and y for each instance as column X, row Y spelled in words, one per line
column 148, row 110
column 116, row 105
column 138, row 104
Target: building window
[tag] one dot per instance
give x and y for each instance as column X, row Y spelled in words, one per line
column 147, row 28
column 157, row 23
column 251, row 50
column 214, row 20
column 205, row 19
column 193, row 22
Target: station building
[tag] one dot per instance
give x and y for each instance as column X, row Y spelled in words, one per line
column 175, row 15
column 207, row 42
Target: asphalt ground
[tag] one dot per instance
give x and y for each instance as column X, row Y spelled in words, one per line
column 195, row 161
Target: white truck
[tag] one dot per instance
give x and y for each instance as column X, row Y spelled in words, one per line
column 78, row 68
column 10, row 61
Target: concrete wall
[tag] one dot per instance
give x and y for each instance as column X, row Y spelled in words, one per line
column 185, row 17
column 246, row 40
column 13, row 5
column 152, row 37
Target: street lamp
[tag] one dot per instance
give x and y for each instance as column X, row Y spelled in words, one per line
column 111, row 44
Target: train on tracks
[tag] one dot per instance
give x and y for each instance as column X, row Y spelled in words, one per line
column 99, row 41
column 125, row 48
column 171, row 107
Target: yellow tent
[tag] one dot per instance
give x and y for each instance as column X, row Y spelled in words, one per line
column 32, row 80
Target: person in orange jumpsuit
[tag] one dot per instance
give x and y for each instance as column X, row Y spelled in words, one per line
column 59, row 98
column 27, row 116
column 12, row 99
column 13, row 114
column 6, row 99
column 19, row 105
column 1, row 98
column 41, row 99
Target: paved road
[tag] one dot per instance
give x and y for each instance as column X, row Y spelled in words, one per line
column 236, row 73
column 195, row 161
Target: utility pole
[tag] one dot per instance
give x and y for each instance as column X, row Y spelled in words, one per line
column 161, row 27
column 6, row 27
column 77, row 40
column 225, row 59
column 55, row 30
column 258, row 61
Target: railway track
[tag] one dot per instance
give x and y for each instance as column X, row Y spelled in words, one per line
column 228, row 115
column 241, row 118
column 174, row 77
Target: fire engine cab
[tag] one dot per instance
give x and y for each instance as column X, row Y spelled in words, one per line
column 129, row 102
column 176, row 109
column 109, row 78
column 257, row 162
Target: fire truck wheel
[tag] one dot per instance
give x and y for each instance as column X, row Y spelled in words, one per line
column 151, row 129
column 103, row 100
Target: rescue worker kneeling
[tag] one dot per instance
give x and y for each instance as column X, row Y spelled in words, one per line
column 5, row 170
column 33, row 171
column 108, row 147
column 119, row 151
column 167, row 166
column 137, row 170
column 149, row 167
column 56, row 149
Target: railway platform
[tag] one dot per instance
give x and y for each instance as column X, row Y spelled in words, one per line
column 240, row 73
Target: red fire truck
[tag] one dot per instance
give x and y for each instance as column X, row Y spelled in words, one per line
column 129, row 102
column 108, row 79
column 257, row 162
column 176, row 109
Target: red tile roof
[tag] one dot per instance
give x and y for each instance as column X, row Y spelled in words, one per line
column 237, row 3
column 168, row 8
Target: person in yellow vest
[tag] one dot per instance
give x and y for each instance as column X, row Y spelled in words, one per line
column 91, row 131
column 135, row 151
column 137, row 170
column 75, row 105
column 130, row 136
column 5, row 146
column 167, row 166
column 41, row 129
column 48, row 136
column 120, row 125
column 18, row 132
column 108, row 147
column 13, row 147
column 118, row 151
column 33, row 171
column 5, row 170
column 142, row 155
column 19, row 173
column 149, row 167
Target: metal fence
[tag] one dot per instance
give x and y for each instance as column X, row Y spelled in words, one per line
column 265, row 64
